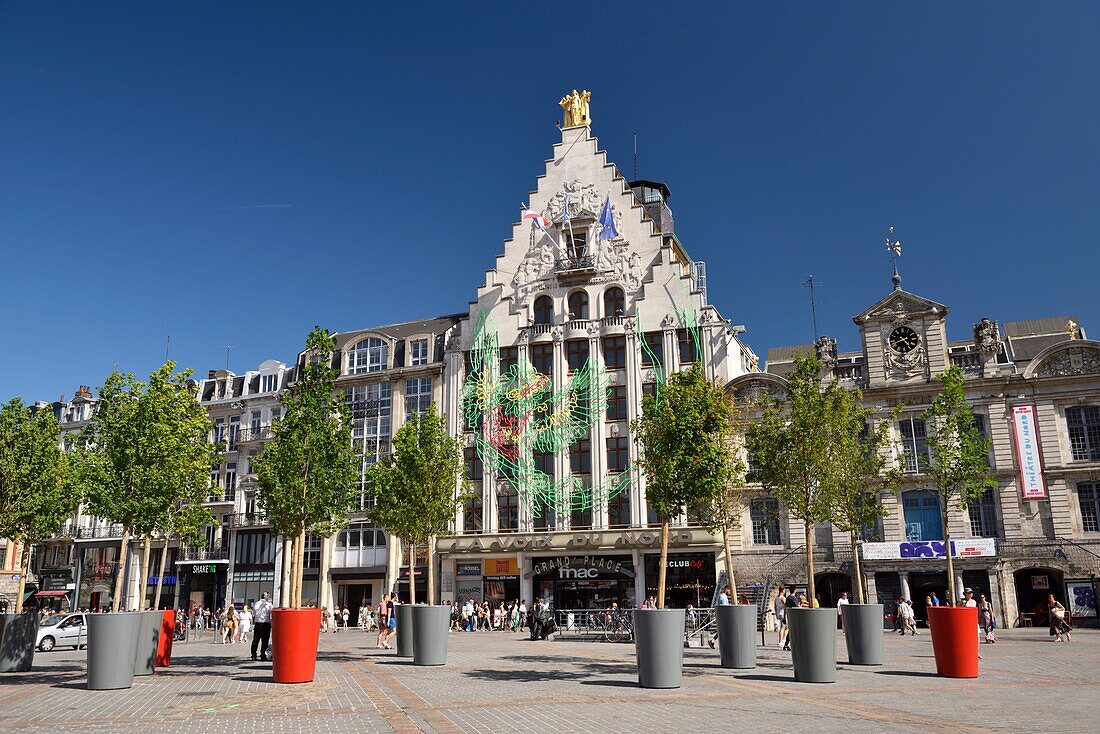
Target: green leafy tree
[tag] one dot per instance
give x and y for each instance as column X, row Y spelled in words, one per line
column 794, row 449
column 144, row 452
column 415, row 488
column 867, row 469
column 958, row 456
column 308, row 474
column 36, row 491
column 185, row 522
column 686, row 451
column 722, row 513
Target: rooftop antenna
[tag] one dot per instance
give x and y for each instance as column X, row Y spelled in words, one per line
column 813, row 302
column 167, row 344
column 228, row 349
column 893, row 246
column 635, row 155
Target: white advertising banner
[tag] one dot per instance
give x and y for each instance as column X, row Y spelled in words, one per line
column 1026, row 429
column 967, row 548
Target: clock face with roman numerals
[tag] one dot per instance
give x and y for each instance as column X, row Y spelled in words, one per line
column 903, row 340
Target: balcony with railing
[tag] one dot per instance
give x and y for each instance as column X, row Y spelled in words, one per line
column 227, row 497
column 853, row 372
column 254, row 434
column 204, row 553
column 97, row 533
column 575, row 265
column 969, row 362
column 248, row 520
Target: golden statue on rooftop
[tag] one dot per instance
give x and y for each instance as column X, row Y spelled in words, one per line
column 575, row 107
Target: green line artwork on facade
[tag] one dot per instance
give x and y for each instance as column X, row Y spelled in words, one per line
column 522, row 421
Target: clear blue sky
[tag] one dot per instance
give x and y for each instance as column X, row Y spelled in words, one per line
column 232, row 173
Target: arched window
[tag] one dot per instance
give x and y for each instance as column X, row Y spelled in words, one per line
column 544, row 310
column 614, row 303
column 369, row 355
column 578, row 306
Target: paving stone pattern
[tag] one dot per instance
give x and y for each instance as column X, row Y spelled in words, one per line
column 499, row 683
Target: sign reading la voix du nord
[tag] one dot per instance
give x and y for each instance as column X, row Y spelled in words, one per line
column 1032, row 482
column 968, row 548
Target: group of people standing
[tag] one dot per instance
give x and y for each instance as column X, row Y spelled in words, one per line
column 471, row 616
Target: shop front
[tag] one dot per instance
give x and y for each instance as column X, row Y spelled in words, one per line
column 500, row 580
column 202, row 584
column 468, row 583
column 689, row 579
column 584, row 581
column 358, row 588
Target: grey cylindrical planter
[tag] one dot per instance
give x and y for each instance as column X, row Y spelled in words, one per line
column 145, row 652
column 863, row 633
column 405, row 631
column 18, row 635
column 659, row 644
column 431, row 628
column 813, row 644
column 112, row 644
column 737, row 635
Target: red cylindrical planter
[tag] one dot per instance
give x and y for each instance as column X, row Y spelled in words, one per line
column 167, row 634
column 294, row 634
column 955, row 640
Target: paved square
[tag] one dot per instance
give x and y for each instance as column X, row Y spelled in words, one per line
column 495, row 682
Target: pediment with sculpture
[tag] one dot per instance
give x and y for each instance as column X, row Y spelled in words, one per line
column 1067, row 359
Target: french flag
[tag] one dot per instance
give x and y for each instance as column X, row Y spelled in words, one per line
column 540, row 221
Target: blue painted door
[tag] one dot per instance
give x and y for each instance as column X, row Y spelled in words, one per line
column 922, row 515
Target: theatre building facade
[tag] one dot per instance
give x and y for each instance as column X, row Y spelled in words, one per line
column 593, row 302
column 1034, row 388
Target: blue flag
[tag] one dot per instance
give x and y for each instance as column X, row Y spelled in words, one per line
column 565, row 213
column 607, row 221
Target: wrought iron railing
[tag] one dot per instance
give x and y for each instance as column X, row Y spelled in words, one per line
column 252, row 434
column 204, row 553
column 247, row 519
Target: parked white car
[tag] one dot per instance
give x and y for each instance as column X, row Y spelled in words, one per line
column 67, row 630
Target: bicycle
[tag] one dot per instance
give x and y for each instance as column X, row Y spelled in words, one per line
column 618, row 629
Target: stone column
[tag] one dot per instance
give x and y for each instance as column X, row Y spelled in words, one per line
column 904, row 576
column 599, row 444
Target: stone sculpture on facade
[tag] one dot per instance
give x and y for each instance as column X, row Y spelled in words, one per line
column 825, row 348
column 986, row 336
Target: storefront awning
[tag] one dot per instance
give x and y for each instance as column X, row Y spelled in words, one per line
column 206, row 562
column 51, row 594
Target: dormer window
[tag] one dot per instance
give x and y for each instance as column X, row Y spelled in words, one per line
column 369, row 355
column 269, row 383
column 419, row 352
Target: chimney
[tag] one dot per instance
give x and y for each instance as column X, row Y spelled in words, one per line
column 210, row 374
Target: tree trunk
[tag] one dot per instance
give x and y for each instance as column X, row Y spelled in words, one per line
column 951, row 590
column 810, row 588
column 431, row 569
column 729, row 567
column 412, row 570
column 662, row 567
column 857, row 573
column 160, row 571
column 143, row 583
column 123, row 554
column 289, row 558
column 299, row 582
column 25, row 568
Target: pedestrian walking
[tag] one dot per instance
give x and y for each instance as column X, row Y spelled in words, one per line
column 779, row 605
column 1059, row 625
column 261, row 617
column 840, row 604
column 987, row 619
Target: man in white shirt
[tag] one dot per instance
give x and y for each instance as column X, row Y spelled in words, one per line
column 840, row 604
column 261, row 615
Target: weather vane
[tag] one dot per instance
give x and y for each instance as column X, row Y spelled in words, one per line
column 893, row 246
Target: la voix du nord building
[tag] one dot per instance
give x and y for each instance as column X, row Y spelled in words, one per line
column 591, row 303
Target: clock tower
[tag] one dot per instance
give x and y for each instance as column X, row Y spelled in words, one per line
column 904, row 339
